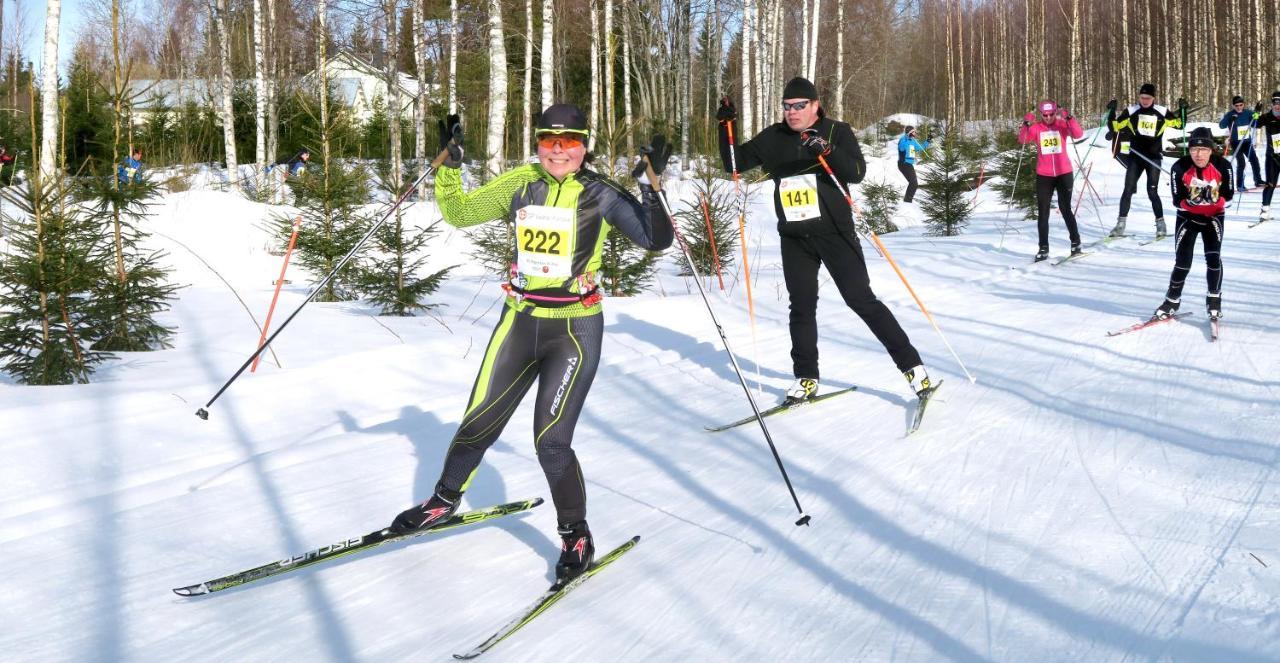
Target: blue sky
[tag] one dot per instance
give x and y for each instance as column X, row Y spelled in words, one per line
column 72, row 18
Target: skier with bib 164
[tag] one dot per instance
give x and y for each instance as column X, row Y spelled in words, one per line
column 1201, row 190
column 1139, row 130
column 1049, row 133
column 551, row 328
column 816, row 227
column 1268, row 129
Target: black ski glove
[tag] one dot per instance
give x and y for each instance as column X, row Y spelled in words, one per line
column 726, row 112
column 659, row 152
column 1182, row 104
column 815, row 144
column 451, row 140
column 1111, row 105
column 1257, row 108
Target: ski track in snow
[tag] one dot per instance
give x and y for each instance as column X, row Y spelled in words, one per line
column 1088, row 498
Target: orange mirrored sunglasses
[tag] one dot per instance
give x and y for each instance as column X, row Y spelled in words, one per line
column 566, row 141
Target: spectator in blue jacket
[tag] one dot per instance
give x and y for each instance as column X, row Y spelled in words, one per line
column 909, row 150
column 298, row 164
column 131, row 169
column 1239, row 125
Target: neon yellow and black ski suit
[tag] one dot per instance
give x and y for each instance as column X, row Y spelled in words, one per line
column 552, row 326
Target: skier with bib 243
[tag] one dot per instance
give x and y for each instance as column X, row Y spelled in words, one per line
column 816, row 227
column 1049, row 134
column 551, row 328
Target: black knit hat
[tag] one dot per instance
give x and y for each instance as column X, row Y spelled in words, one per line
column 1147, row 88
column 1201, row 137
column 799, row 88
column 562, row 118
column 1237, row 100
column 1275, row 96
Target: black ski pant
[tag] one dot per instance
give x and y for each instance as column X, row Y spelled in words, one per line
column 908, row 171
column 1045, row 187
column 562, row 356
column 1136, row 167
column 1273, row 171
column 1210, row 231
column 801, row 257
column 1242, row 152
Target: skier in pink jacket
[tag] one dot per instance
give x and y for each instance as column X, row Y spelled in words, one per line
column 1050, row 133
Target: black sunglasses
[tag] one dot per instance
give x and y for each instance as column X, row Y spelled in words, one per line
column 796, row 105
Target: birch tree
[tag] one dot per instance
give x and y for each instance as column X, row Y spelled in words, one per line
column 260, row 99
column 453, row 57
column 217, row 14
column 394, row 106
column 497, row 89
column 49, row 95
column 526, row 133
column 547, row 63
column 746, row 41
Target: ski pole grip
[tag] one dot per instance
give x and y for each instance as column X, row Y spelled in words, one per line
column 444, row 154
column 650, row 175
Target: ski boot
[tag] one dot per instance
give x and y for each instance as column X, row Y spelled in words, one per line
column 1167, row 308
column 1160, row 229
column 918, row 378
column 1118, row 231
column 1075, row 249
column 576, row 551
column 1041, row 255
column 428, row 514
column 802, row 389
column 1213, row 305
column 1265, row 215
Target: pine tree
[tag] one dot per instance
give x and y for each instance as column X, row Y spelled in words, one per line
column 1014, row 178
column 389, row 274
column 494, row 244
column 626, row 269
column 947, row 182
column 329, row 202
column 880, row 201
column 46, row 286
column 721, row 209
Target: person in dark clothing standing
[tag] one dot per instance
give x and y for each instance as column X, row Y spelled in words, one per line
column 1201, row 191
column 552, row 326
column 816, row 227
column 1268, row 131
column 1140, row 128
column 909, row 149
column 1239, row 125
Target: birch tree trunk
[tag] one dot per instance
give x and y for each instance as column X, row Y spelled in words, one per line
column 218, row 8
column 804, row 37
column 273, row 73
column 394, row 106
column 747, row 45
column 839, row 106
column 626, row 80
column 526, row 134
column 595, row 66
column 610, row 116
column 453, row 57
column 260, row 101
column 547, row 63
column 420, row 102
column 322, row 75
column 49, row 96
column 497, row 89
column 816, row 19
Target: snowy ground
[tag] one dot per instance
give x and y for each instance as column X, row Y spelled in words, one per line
column 1089, row 498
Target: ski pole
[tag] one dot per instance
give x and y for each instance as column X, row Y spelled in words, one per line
column 203, row 412
column 266, row 325
column 885, row 252
column 1013, row 192
column 697, row 278
column 1140, row 155
column 742, row 239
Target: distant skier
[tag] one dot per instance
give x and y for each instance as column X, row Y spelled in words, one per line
column 298, row 164
column 909, row 150
column 1140, row 128
column 6, row 165
column 816, row 228
column 1268, row 130
column 130, row 170
column 1239, row 125
column 1049, row 132
column 1201, row 190
column 551, row 327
